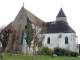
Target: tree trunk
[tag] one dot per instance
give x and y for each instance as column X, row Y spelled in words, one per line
column 2, row 55
column 33, row 53
column 11, row 51
column 29, row 50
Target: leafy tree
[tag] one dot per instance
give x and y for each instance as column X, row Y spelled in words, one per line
column 29, row 32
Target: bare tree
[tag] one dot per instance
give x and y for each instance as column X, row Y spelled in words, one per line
column 15, row 37
column 36, row 41
column 4, row 38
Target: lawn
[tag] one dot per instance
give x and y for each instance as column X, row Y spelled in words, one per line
column 38, row 57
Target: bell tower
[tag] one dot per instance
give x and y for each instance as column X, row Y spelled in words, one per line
column 61, row 16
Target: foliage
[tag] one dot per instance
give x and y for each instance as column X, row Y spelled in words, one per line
column 67, row 52
column 61, row 52
column 46, row 51
column 29, row 32
column 49, row 51
column 74, row 54
column 57, row 51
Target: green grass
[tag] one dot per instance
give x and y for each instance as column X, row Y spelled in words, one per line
column 38, row 57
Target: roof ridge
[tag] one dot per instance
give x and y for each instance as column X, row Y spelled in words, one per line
column 34, row 19
column 32, row 13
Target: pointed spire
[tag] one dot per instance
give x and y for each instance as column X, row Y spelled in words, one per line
column 61, row 13
column 61, row 16
column 23, row 4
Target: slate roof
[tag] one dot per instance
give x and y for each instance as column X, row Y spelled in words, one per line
column 34, row 19
column 61, row 13
column 58, row 27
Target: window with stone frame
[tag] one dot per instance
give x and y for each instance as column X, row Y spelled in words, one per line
column 48, row 40
column 66, row 40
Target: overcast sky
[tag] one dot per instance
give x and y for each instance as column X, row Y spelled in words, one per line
column 44, row 9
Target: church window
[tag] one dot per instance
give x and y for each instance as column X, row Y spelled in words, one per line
column 48, row 40
column 60, row 36
column 66, row 40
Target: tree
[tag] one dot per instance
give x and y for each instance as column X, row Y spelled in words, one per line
column 4, row 38
column 14, row 38
column 29, row 33
column 37, row 40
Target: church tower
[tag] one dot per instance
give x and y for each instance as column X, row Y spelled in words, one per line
column 61, row 16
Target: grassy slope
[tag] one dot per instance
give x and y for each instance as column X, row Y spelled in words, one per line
column 39, row 57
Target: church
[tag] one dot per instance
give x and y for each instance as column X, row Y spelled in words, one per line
column 60, row 34
column 56, row 33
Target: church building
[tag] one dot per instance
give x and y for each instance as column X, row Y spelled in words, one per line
column 60, row 34
column 56, row 33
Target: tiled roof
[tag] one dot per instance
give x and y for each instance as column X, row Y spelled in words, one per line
column 34, row 19
column 9, row 26
column 61, row 13
column 58, row 27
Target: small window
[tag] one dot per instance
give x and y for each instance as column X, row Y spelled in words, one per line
column 60, row 36
column 48, row 40
column 66, row 40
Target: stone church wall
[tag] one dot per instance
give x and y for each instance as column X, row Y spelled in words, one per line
column 56, row 41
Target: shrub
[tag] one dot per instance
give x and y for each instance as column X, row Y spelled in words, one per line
column 61, row 52
column 57, row 51
column 64, row 52
column 46, row 51
column 74, row 54
column 67, row 53
column 49, row 51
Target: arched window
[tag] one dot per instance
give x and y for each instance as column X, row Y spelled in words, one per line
column 66, row 40
column 22, row 36
column 48, row 40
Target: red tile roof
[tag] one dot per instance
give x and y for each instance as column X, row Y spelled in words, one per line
column 34, row 19
column 9, row 26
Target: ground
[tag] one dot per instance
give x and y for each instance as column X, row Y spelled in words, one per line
column 38, row 57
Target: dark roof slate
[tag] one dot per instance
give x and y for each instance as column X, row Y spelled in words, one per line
column 61, row 13
column 58, row 27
